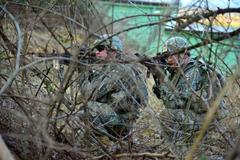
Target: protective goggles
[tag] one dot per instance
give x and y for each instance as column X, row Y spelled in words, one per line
column 100, row 47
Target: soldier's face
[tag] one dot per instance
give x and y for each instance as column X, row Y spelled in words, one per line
column 172, row 60
column 176, row 60
column 101, row 52
column 105, row 53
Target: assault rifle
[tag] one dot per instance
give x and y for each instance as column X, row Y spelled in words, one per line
column 85, row 54
column 155, row 65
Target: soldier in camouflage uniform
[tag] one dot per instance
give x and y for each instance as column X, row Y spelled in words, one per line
column 115, row 92
column 187, row 91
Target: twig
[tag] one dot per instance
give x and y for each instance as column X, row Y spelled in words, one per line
column 18, row 54
column 209, row 117
column 58, row 14
column 5, row 154
column 145, row 154
column 43, row 79
column 53, row 35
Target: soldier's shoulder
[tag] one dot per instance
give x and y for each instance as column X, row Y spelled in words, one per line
column 198, row 63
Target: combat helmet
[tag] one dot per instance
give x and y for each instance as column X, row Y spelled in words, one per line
column 176, row 43
column 112, row 42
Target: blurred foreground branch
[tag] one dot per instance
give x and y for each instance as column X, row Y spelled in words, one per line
column 5, row 154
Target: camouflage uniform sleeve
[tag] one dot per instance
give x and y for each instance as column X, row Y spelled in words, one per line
column 99, row 85
column 171, row 98
column 103, row 113
column 97, row 90
column 178, row 96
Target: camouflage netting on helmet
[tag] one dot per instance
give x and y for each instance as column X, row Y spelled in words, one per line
column 174, row 44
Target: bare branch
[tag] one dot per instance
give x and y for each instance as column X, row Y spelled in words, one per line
column 5, row 154
column 19, row 47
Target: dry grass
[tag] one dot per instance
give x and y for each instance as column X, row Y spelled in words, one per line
column 27, row 119
column 147, row 136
